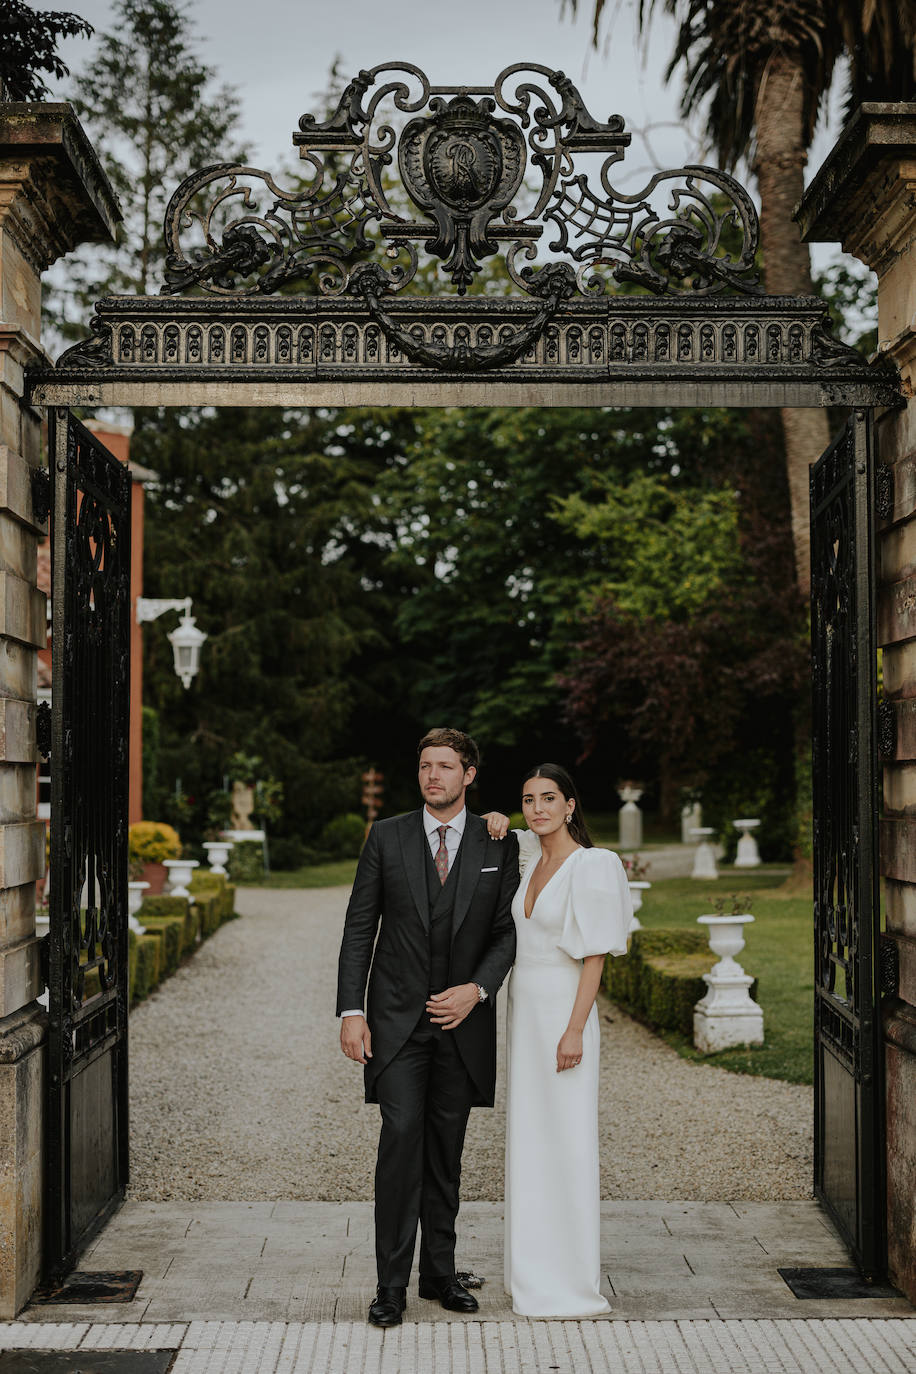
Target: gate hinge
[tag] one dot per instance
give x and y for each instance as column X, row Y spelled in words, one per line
column 44, row 960
column 884, row 491
column 41, row 495
column 887, row 730
column 43, row 729
column 888, row 966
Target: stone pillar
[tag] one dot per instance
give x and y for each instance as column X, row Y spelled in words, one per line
column 863, row 198
column 53, row 196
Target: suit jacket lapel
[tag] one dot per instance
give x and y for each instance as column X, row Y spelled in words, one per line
column 473, row 846
column 413, row 845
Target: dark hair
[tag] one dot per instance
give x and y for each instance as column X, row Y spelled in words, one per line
column 446, row 738
column 577, row 827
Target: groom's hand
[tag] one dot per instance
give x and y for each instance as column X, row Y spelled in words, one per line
column 448, row 1009
column 356, row 1038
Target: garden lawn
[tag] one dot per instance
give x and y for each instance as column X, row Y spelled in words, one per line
column 779, row 952
column 338, row 874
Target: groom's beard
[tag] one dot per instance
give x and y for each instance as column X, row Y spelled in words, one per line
column 441, row 801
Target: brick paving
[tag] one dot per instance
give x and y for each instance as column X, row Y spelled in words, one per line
column 835, row 1346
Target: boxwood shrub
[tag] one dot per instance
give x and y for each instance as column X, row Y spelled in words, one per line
column 660, row 981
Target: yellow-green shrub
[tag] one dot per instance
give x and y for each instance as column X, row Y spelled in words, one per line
column 152, row 842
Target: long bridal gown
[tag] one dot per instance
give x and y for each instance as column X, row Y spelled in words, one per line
column 552, row 1240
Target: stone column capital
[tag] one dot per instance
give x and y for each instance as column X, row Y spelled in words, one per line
column 54, row 194
column 863, row 195
column 864, row 198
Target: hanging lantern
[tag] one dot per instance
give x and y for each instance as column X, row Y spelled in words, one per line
column 186, row 640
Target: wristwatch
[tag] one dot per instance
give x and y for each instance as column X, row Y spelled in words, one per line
column 481, row 993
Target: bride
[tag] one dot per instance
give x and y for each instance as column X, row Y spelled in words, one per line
column 572, row 908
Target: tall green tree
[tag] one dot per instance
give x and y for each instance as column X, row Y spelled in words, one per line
column 268, row 520
column 155, row 112
column 759, row 72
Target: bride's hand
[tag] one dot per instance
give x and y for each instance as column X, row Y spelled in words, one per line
column 497, row 824
column 569, row 1050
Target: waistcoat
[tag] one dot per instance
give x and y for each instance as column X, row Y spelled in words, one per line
column 441, row 910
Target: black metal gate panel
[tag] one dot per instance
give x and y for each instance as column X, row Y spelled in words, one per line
column 87, row 1147
column 849, row 1112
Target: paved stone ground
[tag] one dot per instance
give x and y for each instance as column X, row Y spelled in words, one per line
column 314, row 1261
column 684, row 1347
column 239, row 1091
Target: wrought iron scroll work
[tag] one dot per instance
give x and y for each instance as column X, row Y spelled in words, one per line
column 462, row 172
column 89, row 837
column 849, row 1148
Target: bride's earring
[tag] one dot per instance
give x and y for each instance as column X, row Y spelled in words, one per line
column 569, row 818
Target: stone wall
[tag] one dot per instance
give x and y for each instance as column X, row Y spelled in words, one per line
column 863, row 197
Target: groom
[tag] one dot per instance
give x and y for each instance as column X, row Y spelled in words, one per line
column 438, row 892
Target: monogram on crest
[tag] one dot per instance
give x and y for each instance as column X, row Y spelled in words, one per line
column 463, row 167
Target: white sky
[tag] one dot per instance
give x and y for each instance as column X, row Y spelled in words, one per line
column 278, row 54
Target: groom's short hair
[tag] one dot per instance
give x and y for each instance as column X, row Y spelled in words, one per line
column 446, row 738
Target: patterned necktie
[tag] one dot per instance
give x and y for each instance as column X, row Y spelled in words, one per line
column 442, row 854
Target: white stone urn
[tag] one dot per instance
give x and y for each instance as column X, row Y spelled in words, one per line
column 180, row 873
column 704, row 861
column 218, row 855
column 629, row 817
column 135, row 895
column 748, row 855
column 727, row 1016
column 691, row 819
column 637, row 888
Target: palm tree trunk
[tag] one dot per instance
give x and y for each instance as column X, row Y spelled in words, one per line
column 779, row 162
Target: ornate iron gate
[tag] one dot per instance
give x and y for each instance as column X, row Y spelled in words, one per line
column 848, row 1123
column 87, row 1064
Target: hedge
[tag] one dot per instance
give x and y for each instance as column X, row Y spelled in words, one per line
column 162, row 907
column 171, row 931
column 660, row 981
column 147, row 975
column 173, row 926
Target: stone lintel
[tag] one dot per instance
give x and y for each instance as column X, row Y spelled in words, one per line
column 62, row 185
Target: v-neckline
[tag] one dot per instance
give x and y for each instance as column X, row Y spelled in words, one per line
column 525, row 912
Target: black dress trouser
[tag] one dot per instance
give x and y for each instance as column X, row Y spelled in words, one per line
column 425, row 1095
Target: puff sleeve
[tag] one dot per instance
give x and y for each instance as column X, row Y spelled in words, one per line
column 599, row 910
column 529, row 849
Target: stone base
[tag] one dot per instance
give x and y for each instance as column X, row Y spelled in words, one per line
column 22, row 1067
column 726, row 1030
column 727, row 1016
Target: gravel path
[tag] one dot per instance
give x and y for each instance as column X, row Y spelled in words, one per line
column 239, row 1091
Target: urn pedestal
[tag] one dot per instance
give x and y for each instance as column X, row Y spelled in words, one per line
column 727, row 1016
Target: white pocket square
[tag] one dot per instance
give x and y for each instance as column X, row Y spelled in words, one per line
column 490, row 870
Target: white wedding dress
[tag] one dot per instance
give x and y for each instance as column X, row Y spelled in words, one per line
column 552, row 1242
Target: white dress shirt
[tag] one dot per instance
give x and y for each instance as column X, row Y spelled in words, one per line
column 454, row 834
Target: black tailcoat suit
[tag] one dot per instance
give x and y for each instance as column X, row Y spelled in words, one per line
column 424, row 1079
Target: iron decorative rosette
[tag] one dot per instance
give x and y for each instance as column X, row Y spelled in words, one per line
column 463, row 171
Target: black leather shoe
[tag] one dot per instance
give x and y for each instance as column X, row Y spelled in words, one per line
column 450, row 1293
column 387, row 1306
